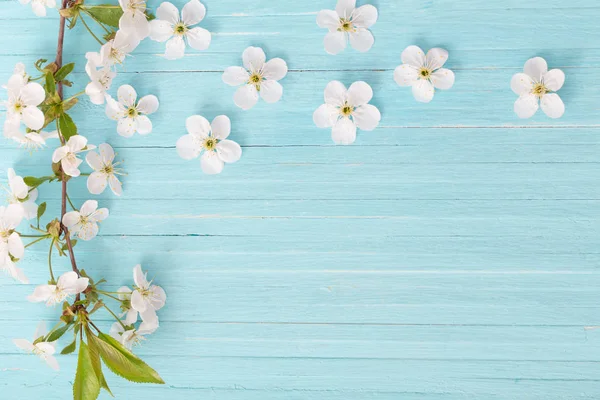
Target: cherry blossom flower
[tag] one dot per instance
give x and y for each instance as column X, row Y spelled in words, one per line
column 346, row 110
column 11, row 245
column 67, row 154
column 23, row 100
column 32, row 140
column 101, row 77
column 84, row 223
column 257, row 76
column 169, row 26
column 44, row 350
column 69, row 284
column 424, row 72
column 115, row 50
column 131, row 116
column 20, row 195
column 134, row 21
column 534, row 86
column 39, row 6
column 132, row 337
column 105, row 170
column 348, row 24
column 146, row 298
column 212, row 138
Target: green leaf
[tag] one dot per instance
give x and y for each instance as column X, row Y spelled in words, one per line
column 124, row 363
column 64, row 71
column 95, row 356
column 67, row 126
column 108, row 14
column 70, row 348
column 34, row 182
column 55, row 335
column 41, row 210
column 50, row 83
column 65, row 247
column 86, row 385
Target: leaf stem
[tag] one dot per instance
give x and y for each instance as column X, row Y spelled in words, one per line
column 90, row 31
column 96, row 19
column 115, row 316
column 70, row 203
column 50, row 260
column 37, row 240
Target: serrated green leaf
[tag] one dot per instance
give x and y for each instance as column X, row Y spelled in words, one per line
column 56, row 334
column 108, row 14
column 66, row 126
column 41, row 210
column 86, row 385
column 70, row 348
column 50, row 83
column 64, row 71
column 124, row 363
column 95, row 356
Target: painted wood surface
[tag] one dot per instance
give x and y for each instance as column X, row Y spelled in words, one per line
column 450, row 254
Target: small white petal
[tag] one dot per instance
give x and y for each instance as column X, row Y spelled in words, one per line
column 94, row 160
column 106, row 152
column 167, row 12
column 99, row 215
column 526, row 105
column 88, row 207
column 521, row 83
column 198, row 38
column 275, row 69
column 229, row 151
column 211, row 163
column 552, row 105
column 137, row 301
column 413, row 55
column 406, row 75
column 197, row 125
column 188, row 147
column 344, row 131
column 271, row 91
column 126, row 95
column 253, row 58
column 362, row 40
column 364, row 16
column 148, row 104
column 15, row 245
column 443, row 78
column 554, row 79
column 335, row 93
column 344, row 8
column 359, row 93
column 33, row 94
column 126, row 127
column 33, row 118
column 193, row 12
column 235, row 76
column 115, row 185
column 41, row 293
column 328, row 19
column 143, row 125
column 139, row 278
column 88, row 231
column 536, row 67
column 246, row 97
column 175, row 48
column 52, row 362
column 436, row 58
column 423, row 90
column 24, row 344
column 366, row 117
column 71, row 218
column 97, row 182
column 221, row 127
column 335, row 42
column 160, row 30
column 325, row 116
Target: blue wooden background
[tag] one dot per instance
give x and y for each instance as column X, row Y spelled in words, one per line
column 452, row 253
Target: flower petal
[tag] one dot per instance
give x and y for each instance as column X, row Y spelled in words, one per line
column 94, row 160
column 139, row 278
column 15, row 245
column 33, row 94
column 526, row 105
column 521, row 83
column 443, row 78
column 362, row 40
column 413, row 55
column 126, row 127
column 366, row 117
column 137, row 301
column 158, row 298
column 148, row 104
column 126, row 95
column 197, row 125
column 114, row 109
column 115, row 185
column 335, row 93
column 275, row 69
column 41, row 293
column 335, row 42
column 554, row 79
column 328, row 19
column 536, row 67
column 76, row 143
column 229, row 151
column 51, row 361
column 552, row 105
column 167, row 12
column 436, row 58
column 235, row 76
column 33, row 117
column 221, row 127
column 99, row 215
column 344, row 8
column 423, row 90
column 271, row 91
column 106, row 152
column 344, row 131
column 198, row 38
column 88, row 231
column 359, row 93
column 96, row 182
column 143, row 125
column 246, row 97
column 67, row 280
column 193, row 12
column 160, row 30
column 188, row 147
column 254, row 58
column 175, row 48
column 71, row 218
column 88, row 207
column 406, row 75
column 325, row 116
column 211, row 163
column 24, row 344
column 364, row 16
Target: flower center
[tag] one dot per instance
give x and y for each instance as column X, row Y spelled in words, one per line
column 425, row 73
column 346, row 110
column 255, row 79
column 117, row 55
column 136, row 5
column 346, row 25
column 210, row 143
column 539, row 89
column 83, row 220
column 108, row 169
column 180, row 29
column 132, row 112
column 19, row 106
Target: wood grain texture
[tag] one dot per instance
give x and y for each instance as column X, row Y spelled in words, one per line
column 450, row 254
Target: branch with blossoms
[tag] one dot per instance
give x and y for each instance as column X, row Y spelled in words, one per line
column 38, row 113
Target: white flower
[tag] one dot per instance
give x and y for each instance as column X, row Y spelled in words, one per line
column 11, row 245
column 257, row 77
column 23, row 99
column 212, row 138
column 67, row 154
column 534, row 85
column 68, row 284
column 84, row 223
column 115, row 50
column 20, row 195
column 104, row 170
column 131, row 315
column 169, row 26
column 39, row 6
column 134, row 21
column 346, row 110
column 20, row 70
column 424, row 72
column 30, row 140
column 348, row 23
column 101, row 77
column 146, row 298
column 132, row 337
column 131, row 116
column 44, row 350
